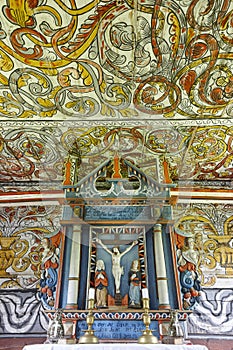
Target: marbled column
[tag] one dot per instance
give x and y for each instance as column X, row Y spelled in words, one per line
column 73, row 280
column 160, row 269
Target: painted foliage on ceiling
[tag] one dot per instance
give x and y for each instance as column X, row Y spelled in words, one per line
column 119, row 59
column 37, row 153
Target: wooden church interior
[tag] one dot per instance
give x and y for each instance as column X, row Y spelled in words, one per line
column 116, row 156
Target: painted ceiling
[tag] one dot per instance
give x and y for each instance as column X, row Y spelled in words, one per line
column 151, row 80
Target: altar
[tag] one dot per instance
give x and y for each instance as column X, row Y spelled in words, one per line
column 122, row 346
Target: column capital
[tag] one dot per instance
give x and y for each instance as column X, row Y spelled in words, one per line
column 157, row 227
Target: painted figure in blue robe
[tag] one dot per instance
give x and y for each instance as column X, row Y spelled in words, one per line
column 188, row 260
column 49, row 265
column 135, row 285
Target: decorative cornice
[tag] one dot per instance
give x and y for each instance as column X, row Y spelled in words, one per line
column 157, row 315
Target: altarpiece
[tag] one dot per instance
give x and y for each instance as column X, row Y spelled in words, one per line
column 115, row 218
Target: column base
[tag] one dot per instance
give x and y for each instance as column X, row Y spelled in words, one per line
column 118, row 299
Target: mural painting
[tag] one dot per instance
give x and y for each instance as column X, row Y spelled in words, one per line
column 29, row 260
column 200, row 156
column 204, row 236
column 208, row 227
column 113, row 59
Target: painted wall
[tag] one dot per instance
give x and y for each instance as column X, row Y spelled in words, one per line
column 211, row 227
column 24, row 296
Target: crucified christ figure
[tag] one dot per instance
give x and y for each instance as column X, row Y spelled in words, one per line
column 117, row 269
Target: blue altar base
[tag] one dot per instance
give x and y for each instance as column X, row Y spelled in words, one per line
column 117, row 329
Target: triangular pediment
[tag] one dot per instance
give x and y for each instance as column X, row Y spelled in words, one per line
column 118, row 177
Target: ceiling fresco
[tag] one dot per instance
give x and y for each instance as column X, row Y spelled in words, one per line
column 152, row 80
column 36, row 153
